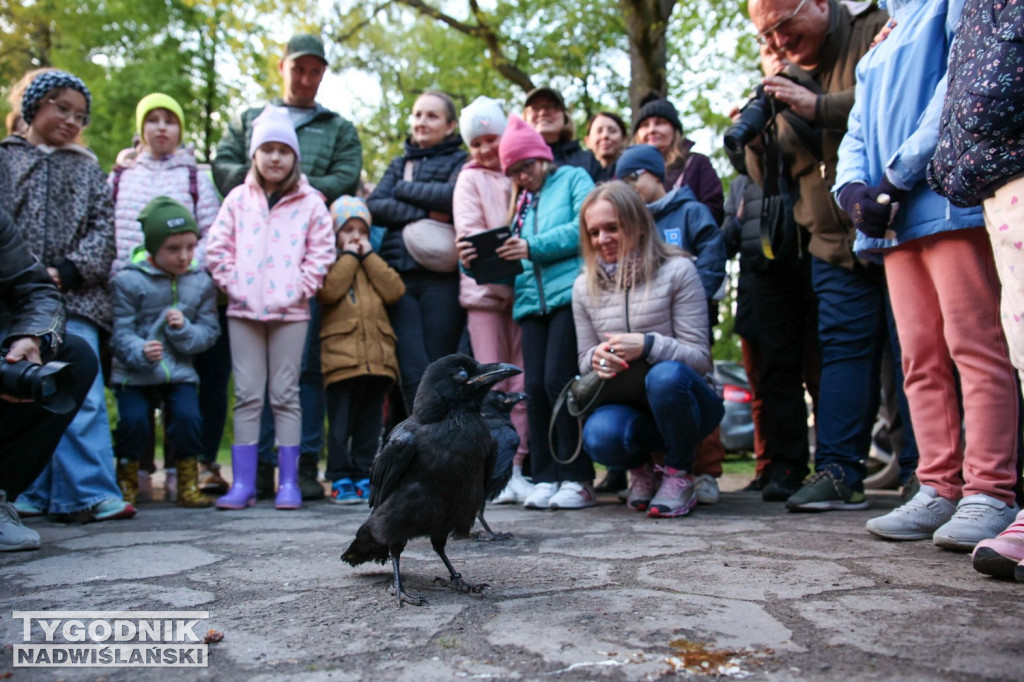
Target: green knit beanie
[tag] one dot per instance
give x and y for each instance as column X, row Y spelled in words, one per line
column 163, row 217
column 158, row 100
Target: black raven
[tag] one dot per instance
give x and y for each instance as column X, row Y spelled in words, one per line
column 496, row 410
column 431, row 475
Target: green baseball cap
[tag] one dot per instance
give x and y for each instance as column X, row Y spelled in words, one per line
column 305, row 44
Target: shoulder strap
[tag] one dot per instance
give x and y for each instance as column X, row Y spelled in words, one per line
column 118, row 170
column 193, row 188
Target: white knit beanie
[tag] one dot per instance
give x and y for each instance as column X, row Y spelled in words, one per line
column 482, row 116
column 273, row 125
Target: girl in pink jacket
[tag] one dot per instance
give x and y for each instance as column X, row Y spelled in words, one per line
column 268, row 250
column 481, row 201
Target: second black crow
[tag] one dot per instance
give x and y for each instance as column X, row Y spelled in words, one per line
column 497, row 410
column 431, row 475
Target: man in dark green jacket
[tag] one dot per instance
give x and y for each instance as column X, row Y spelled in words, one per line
column 332, row 159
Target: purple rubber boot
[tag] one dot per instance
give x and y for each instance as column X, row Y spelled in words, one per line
column 288, row 494
column 243, row 478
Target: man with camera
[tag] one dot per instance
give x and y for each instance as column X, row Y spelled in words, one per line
column 37, row 402
column 803, row 113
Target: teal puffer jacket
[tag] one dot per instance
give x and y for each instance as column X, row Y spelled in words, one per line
column 551, row 226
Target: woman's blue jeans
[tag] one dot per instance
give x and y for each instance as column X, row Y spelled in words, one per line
column 683, row 411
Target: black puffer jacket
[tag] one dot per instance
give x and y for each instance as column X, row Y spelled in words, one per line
column 397, row 202
column 570, row 153
column 981, row 133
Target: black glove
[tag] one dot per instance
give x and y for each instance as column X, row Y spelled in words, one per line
column 861, row 203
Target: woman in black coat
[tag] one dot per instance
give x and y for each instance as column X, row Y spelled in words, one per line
column 418, row 185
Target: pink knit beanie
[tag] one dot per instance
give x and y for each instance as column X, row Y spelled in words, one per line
column 521, row 142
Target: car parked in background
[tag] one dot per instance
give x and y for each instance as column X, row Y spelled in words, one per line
column 738, row 422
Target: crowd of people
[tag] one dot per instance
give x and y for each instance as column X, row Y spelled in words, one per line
column 875, row 215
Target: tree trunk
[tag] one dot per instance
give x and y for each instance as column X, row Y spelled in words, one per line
column 646, row 25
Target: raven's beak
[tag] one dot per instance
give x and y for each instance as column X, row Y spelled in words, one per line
column 513, row 398
column 488, row 375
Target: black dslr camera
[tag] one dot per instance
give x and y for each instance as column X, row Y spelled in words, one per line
column 754, row 116
column 49, row 385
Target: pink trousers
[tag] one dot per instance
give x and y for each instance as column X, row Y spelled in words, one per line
column 495, row 337
column 945, row 297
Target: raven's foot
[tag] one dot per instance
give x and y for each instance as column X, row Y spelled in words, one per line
column 484, row 536
column 457, row 583
column 405, row 597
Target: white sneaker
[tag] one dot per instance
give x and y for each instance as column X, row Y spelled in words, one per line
column 541, row 496
column 14, row 535
column 978, row 517
column 573, row 495
column 516, row 491
column 918, row 519
column 707, row 489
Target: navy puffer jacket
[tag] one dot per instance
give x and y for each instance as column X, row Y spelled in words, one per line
column 397, row 202
column 981, row 134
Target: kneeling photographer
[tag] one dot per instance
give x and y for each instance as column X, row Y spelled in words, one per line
column 820, row 42
column 37, row 401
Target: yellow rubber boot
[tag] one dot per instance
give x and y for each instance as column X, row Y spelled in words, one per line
column 128, row 478
column 189, row 494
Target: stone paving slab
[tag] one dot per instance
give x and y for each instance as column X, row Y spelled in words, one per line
column 741, row 589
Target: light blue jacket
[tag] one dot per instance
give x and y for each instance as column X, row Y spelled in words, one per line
column 552, row 228
column 894, row 123
column 142, row 295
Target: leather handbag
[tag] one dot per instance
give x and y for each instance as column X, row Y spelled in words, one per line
column 586, row 392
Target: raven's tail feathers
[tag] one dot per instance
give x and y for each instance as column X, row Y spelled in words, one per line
column 364, row 548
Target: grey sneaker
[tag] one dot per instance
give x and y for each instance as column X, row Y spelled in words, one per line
column 676, row 495
column 14, row 535
column 707, row 489
column 978, row 517
column 918, row 519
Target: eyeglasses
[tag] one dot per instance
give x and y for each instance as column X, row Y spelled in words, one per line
column 518, row 170
column 544, row 105
column 81, row 120
column 765, row 35
column 633, row 176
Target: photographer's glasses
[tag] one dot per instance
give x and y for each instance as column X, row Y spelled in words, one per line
column 764, row 36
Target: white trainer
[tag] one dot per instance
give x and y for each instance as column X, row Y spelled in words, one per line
column 573, row 495
column 541, row 496
column 516, row 490
column 978, row 517
column 707, row 489
column 918, row 519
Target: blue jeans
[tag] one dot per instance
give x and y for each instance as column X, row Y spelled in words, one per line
column 183, row 422
column 851, row 330
column 81, row 472
column 683, row 411
column 311, row 398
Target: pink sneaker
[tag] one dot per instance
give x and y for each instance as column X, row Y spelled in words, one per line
column 643, row 483
column 676, row 496
column 1001, row 555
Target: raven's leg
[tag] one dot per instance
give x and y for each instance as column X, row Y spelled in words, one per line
column 455, row 582
column 397, row 588
column 488, row 535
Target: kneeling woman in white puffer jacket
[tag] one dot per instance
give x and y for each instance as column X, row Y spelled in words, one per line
column 639, row 306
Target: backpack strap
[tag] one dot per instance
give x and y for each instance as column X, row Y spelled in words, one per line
column 193, row 188
column 118, row 170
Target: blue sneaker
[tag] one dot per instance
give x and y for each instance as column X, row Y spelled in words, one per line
column 343, row 491
column 363, row 489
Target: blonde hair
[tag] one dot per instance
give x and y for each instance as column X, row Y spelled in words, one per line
column 640, row 243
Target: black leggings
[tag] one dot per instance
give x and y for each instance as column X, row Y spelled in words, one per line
column 549, row 359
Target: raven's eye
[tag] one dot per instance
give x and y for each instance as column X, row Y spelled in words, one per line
column 462, row 376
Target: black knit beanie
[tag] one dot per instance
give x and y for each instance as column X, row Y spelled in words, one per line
column 655, row 105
